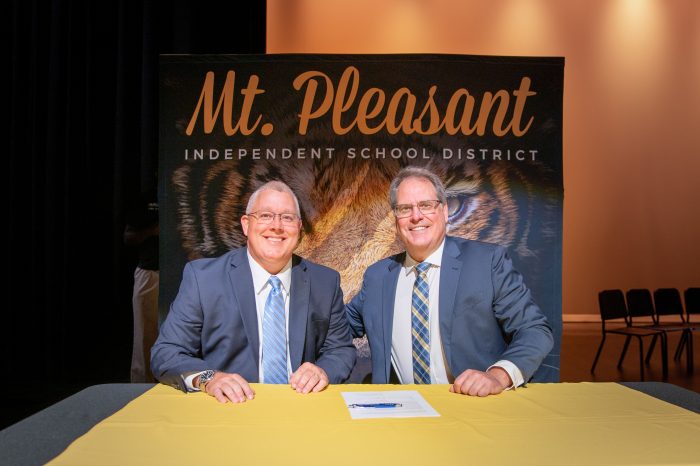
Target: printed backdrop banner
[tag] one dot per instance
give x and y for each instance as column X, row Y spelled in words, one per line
column 336, row 129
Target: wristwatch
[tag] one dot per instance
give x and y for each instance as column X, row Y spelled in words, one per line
column 205, row 377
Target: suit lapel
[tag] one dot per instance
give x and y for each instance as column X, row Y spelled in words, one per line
column 242, row 282
column 388, row 297
column 449, row 278
column 298, row 310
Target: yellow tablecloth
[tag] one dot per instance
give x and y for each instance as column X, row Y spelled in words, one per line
column 558, row 424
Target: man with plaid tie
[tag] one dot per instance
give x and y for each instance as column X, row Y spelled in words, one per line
column 257, row 313
column 447, row 310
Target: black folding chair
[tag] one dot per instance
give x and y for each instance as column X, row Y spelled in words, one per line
column 640, row 304
column 667, row 302
column 692, row 308
column 612, row 306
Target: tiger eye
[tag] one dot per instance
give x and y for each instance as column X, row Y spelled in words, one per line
column 453, row 205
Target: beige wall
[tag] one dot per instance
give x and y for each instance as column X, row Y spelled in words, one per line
column 631, row 113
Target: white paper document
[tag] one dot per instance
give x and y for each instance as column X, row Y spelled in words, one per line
column 398, row 403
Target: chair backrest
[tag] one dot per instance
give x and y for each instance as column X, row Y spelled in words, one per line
column 612, row 305
column 639, row 303
column 667, row 302
column 692, row 301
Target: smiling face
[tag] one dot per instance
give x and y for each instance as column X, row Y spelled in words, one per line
column 421, row 234
column 271, row 244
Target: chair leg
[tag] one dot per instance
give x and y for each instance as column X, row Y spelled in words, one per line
column 597, row 355
column 651, row 349
column 624, row 351
column 664, row 356
column 641, row 358
column 679, row 348
column 689, row 350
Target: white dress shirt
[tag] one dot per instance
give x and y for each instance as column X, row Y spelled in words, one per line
column 262, row 288
column 401, row 342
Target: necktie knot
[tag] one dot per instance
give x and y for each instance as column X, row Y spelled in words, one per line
column 422, row 268
column 276, row 284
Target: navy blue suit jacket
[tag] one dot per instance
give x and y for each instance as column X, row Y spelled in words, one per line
column 213, row 323
column 486, row 311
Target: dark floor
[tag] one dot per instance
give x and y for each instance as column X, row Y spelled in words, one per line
column 579, row 344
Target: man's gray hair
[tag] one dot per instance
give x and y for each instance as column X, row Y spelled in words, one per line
column 273, row 186
column 416, row 172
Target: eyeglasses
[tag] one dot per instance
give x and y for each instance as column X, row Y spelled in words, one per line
column 425, row 207
column 269, row 217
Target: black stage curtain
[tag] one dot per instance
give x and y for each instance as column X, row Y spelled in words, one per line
column 83, row 138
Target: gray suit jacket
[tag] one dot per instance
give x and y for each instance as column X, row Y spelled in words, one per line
column 213, row 323
column 486, row 311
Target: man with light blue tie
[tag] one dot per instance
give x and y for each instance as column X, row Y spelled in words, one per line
column 447, row 310
column 257, row 313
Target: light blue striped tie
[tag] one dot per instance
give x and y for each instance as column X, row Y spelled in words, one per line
column 420, row 331
column 275, row 335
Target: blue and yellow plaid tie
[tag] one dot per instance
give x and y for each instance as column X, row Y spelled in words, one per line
column 420, row 326
column 275, row 335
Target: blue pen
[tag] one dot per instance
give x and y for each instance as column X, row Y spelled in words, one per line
column 375, row 405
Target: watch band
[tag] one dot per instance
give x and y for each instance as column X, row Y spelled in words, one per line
column 204, row 379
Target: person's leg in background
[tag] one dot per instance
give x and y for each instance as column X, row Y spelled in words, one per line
column 145, row 304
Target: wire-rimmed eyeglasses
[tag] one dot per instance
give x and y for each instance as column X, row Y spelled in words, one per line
column 269, row 217
column 425, row 207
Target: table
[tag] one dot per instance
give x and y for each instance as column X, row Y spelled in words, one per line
column 582, row 423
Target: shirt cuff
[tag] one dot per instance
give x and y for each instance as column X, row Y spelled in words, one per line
column 512, row 370
column 188, row 382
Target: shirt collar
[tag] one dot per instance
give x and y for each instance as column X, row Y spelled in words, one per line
column 261, row 276
column 435, row 259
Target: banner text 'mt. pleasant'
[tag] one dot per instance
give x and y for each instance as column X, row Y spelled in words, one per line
column 372, row 112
